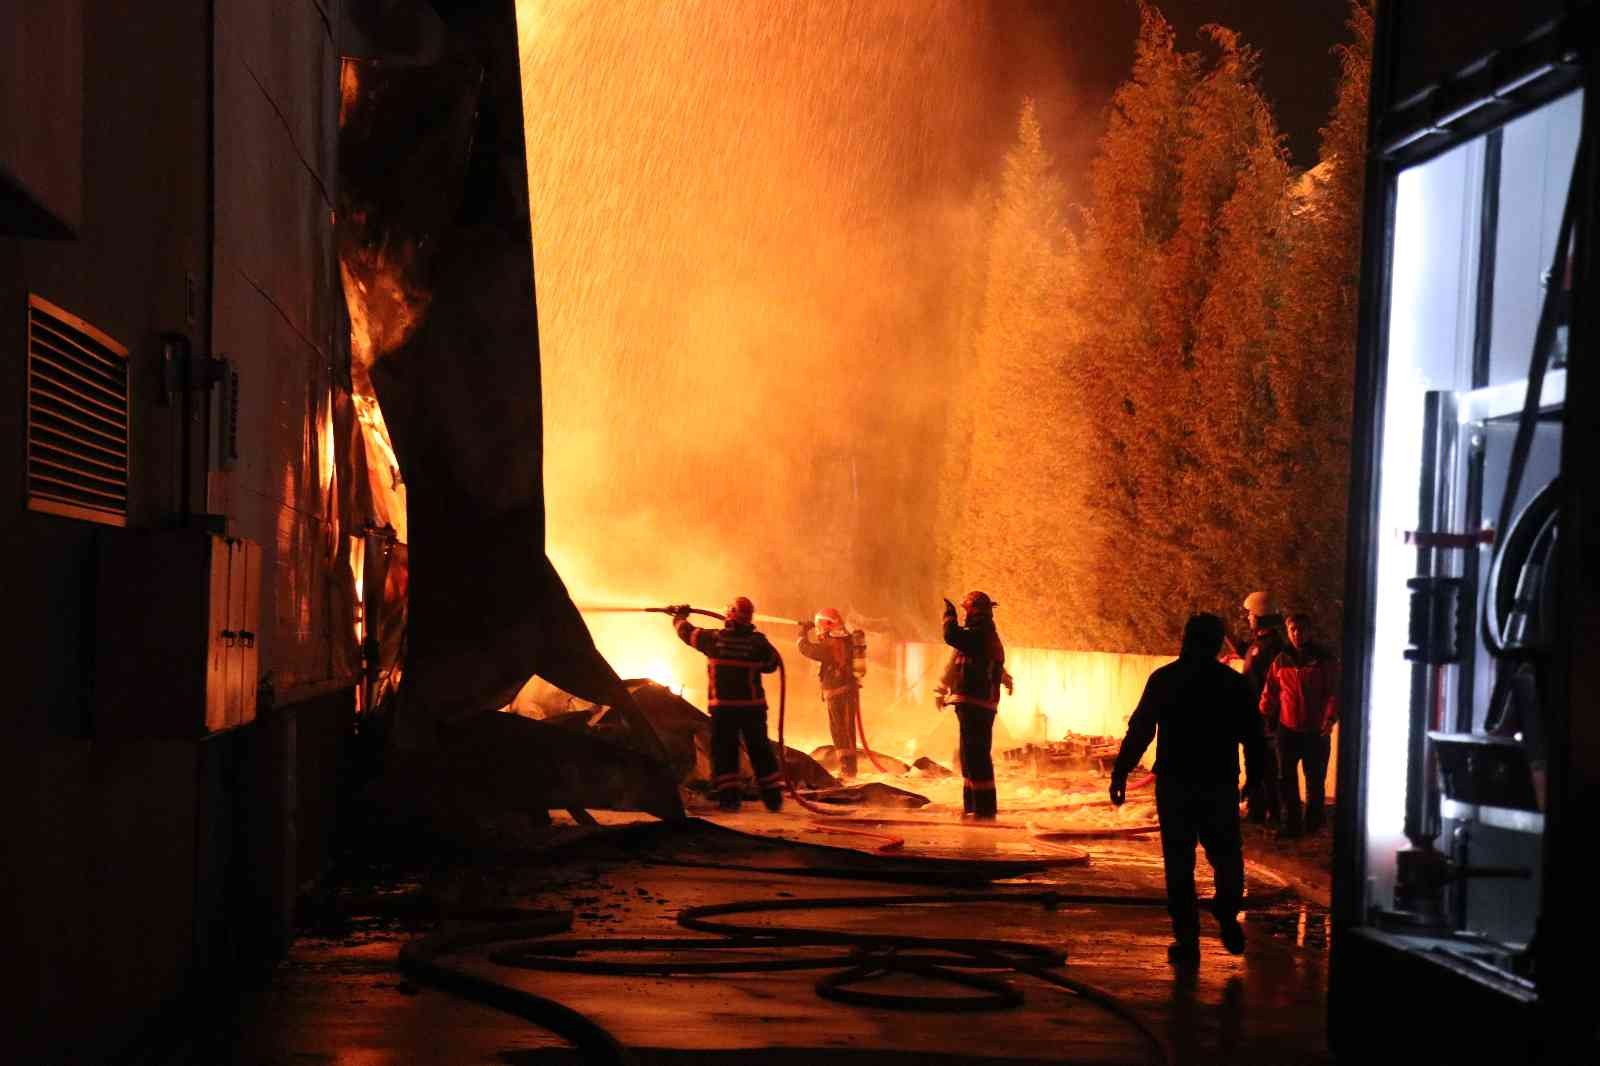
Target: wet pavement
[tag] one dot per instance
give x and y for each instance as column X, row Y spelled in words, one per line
column 340, row 998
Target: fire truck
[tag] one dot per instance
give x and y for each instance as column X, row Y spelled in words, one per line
column 1464, row 906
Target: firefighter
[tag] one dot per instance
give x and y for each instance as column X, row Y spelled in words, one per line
column 974, row 677
column 1302, row 698
column 1203, row 711
column 736, row 657
column 834, row 652
column 1258, row 651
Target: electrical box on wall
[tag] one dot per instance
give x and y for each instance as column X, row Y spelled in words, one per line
column 176, row 647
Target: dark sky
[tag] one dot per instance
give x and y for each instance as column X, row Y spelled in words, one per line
column 1088, row 45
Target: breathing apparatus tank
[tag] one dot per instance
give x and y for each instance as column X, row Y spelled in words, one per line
column 858, row 652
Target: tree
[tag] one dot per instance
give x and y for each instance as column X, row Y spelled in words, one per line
column 1013, row 532
column 1320, row 312
column 1136, row 193
column 1154, row 418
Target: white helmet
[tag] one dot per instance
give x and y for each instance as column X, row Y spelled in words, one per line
column 1259, row 603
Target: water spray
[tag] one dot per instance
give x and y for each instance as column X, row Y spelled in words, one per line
column 769, row 619
column 783, row 683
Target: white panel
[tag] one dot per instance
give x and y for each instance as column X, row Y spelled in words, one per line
column 1435, row 264
column 1535, row 169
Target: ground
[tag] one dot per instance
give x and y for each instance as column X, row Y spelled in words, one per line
column 341, row 998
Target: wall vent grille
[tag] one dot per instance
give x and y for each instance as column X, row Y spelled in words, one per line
column 78, row 416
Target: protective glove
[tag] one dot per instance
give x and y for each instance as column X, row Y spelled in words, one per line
column 805, row 627
column 1007, row 680
column 949, row 609
column 680, row 612
column 1119, row 789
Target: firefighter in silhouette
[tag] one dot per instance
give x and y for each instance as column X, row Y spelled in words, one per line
column 1203, row 712
column 833, row 650
column 1258, row 651
column 976, row 672
column 736, row 657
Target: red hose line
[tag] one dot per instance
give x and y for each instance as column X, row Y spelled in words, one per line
column 890, row 842
column 783, row 749
column 861, row 728
column 1108, row 833
column 964, row 824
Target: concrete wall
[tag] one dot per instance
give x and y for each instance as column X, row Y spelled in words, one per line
column 1089, row 692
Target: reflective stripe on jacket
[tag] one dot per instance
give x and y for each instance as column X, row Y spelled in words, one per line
column 835, row 658
column 736, row 657
column 979, row 662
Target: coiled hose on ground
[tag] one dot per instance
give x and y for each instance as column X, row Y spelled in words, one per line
column 973, row 964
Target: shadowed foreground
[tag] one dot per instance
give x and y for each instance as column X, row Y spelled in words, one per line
column 341, row 997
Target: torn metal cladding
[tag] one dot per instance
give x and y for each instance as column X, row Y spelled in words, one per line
column 435, row 250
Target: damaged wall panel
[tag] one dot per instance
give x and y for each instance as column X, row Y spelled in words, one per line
column 437, row 258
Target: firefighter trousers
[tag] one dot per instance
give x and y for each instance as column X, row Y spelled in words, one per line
column 1207, row 814
column 978, row 796
column 729, row 726
column 843, row 710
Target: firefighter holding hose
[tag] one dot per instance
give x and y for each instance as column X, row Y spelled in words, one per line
column 833, row 650
column 736, row 657
column 974, row 677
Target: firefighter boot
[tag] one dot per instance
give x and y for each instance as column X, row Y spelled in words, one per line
column 728, row 799
column 773, row 798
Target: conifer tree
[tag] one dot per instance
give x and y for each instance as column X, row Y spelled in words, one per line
column 1015, row 531
column 1316, row 388
column 1136, row 190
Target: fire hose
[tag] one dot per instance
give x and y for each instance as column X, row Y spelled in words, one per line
column 969, row 963
column 861, row 725
column 886, row 841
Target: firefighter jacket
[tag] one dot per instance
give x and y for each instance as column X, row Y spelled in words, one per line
column 736, row 657
column 1204, row 711
column 976, row 669
column 835, row 658
column 1302, row 690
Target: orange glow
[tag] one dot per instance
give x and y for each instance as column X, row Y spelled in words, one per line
column 383, row 467
column 325, row 449
column 712, row 244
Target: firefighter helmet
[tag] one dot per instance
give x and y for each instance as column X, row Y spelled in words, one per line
column 740, row 609
column 978, row 603
column 1258, row 603
column 828, row 619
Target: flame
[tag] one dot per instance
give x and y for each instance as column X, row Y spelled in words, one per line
column 383, row 467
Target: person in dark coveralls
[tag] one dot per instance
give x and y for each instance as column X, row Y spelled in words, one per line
column 1203, row 711
column 1258, row 651
column 834, row 653
column 1302, row 697
column 736, row 657
column 976, row 673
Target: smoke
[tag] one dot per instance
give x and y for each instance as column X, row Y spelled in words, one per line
column 746, row 237
column 755, row 229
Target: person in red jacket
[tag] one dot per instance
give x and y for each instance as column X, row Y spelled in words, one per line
column 736, row 657
column 1302, row 697
column 834, row 653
